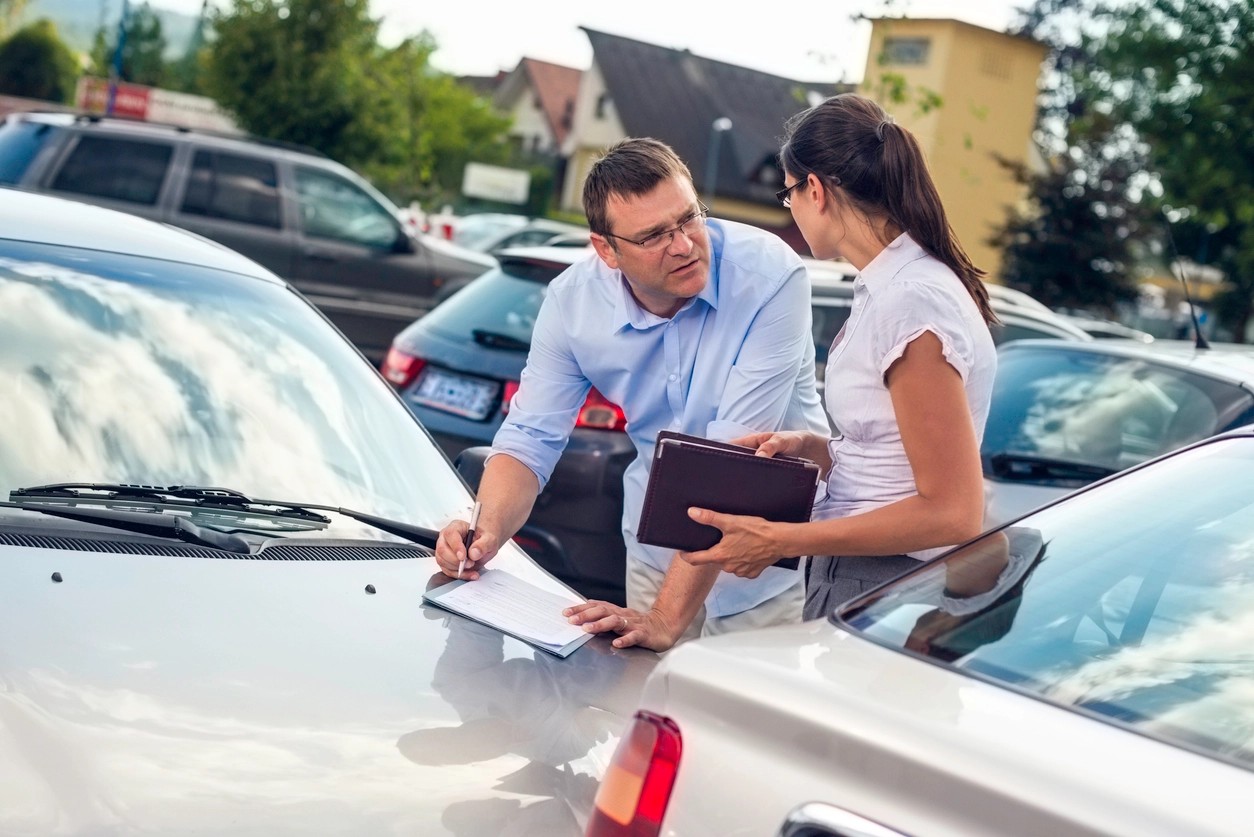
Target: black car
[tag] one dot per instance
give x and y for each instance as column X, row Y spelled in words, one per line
column 457, row 369
column 308, row 219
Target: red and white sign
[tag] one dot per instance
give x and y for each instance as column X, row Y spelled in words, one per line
column 153, row 104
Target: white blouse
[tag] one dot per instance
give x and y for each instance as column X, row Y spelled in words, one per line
column 901, row 294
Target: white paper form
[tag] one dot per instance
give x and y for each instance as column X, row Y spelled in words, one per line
column 515, row 606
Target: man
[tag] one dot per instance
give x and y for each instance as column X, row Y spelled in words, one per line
column 687, row 324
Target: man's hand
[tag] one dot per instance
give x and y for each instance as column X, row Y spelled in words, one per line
column 809, row 446
column 748, row 545
column 450, row 548
column 649, row 630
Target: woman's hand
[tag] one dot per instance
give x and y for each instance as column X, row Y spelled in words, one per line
column 648, row 629
column 749, row 544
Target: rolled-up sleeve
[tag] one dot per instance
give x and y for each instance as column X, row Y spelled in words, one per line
column 550, row 394
column 764, row 376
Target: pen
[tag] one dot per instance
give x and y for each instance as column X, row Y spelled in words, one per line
column 470, row 536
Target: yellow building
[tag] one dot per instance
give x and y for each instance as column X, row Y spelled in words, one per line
column 969, row 95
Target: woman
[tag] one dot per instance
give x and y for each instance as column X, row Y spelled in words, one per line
column 909, row 376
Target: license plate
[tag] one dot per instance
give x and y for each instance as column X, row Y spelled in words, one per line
column 453, row 393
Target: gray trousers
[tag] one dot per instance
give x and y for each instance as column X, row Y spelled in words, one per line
column 832, row 580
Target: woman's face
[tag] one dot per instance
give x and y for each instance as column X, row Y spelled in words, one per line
column 822, row 228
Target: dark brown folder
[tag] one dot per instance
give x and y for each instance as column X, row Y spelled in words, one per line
column 691, row 471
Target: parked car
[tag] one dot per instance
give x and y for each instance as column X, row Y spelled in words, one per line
column 1081, row 671
column 492, row 232
column 833, row 300
column 458, row 366
column 1103, row 329
column 178, row 655
column 457, row 369
column 306, row 218
column 1065, row 414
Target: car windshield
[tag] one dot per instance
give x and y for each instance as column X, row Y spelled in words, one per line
column 1133, row 602
column 117, row 369
column 1099, row 410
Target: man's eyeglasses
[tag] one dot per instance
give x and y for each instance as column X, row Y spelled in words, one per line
column 690, row 226
column 784, row 195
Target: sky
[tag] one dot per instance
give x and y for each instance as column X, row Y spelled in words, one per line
column 804, row 40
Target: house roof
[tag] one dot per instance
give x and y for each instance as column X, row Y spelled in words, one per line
column 556, row 87
column 675, row 96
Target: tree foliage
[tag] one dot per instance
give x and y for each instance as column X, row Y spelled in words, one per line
column 312, row 72
column 1181, row 72
column 37, row 64
column 143, row 49
column 1160, row 90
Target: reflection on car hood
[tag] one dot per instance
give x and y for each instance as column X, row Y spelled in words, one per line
column 145, row 694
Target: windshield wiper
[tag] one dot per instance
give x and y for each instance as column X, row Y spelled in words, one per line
column 186, row 496
column 204, row 497
column 1027, row 467
column 496, row 340
column 156, row 524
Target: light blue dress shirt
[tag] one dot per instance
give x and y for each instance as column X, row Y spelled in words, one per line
column 736, row 359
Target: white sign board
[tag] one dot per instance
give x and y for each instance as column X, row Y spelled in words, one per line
column 496, row 183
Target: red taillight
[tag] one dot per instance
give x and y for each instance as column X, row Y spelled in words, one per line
column 597, row 412
column 600, row 413
column 511, row 387
column 400, row 369
column 637, row 786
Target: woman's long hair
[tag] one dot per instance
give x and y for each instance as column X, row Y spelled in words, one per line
column 850, row 143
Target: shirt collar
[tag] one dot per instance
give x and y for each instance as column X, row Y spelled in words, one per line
column 888, row 262
column 627, row 312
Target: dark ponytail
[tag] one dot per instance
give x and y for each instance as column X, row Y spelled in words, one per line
column 851, row 144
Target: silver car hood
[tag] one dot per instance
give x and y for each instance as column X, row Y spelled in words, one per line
column 143, row 694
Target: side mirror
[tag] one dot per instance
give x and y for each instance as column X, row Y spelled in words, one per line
column 404, row 242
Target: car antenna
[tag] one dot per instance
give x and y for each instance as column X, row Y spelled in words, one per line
column 1200, row 342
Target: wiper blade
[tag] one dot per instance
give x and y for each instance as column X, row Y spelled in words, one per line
column 194, row 496
column 1026, row 467
column 202, row 497
column 157, row 524
column 496, row 340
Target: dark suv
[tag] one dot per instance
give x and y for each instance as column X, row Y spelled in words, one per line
column 310, row 220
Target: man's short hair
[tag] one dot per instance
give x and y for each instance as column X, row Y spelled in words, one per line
column 630, row 167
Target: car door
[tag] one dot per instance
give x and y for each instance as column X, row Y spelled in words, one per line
column 124, row 173
column 234, row 199
column 355, row 262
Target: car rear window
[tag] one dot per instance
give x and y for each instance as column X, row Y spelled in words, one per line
column 1132, row 602
column 499, row 307
column 121, row 169
column 19, row 143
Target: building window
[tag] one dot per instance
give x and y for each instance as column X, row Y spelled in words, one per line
column 603, row 102
column 906, row 50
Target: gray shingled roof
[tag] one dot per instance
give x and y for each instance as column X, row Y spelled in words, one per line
column 675, row 96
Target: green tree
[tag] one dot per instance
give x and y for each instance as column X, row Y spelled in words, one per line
column 312, row 72
column 37, row 64
column 143, row 49
column 1181, row 73
column 299, row 70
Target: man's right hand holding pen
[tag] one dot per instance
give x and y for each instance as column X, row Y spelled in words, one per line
column 463, row 548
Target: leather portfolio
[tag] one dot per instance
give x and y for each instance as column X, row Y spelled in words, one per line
column 691, row 471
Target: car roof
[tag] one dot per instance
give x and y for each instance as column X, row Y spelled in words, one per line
column 163, row 130
column 1228, row 361
column 44, row 219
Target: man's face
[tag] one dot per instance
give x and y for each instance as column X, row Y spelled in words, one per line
column 663, row 279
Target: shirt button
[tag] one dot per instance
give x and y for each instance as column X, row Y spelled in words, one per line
column 671, row 378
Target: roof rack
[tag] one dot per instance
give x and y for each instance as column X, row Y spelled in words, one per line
column 97, row 118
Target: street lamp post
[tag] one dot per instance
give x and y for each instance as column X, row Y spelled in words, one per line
column 719, row 127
